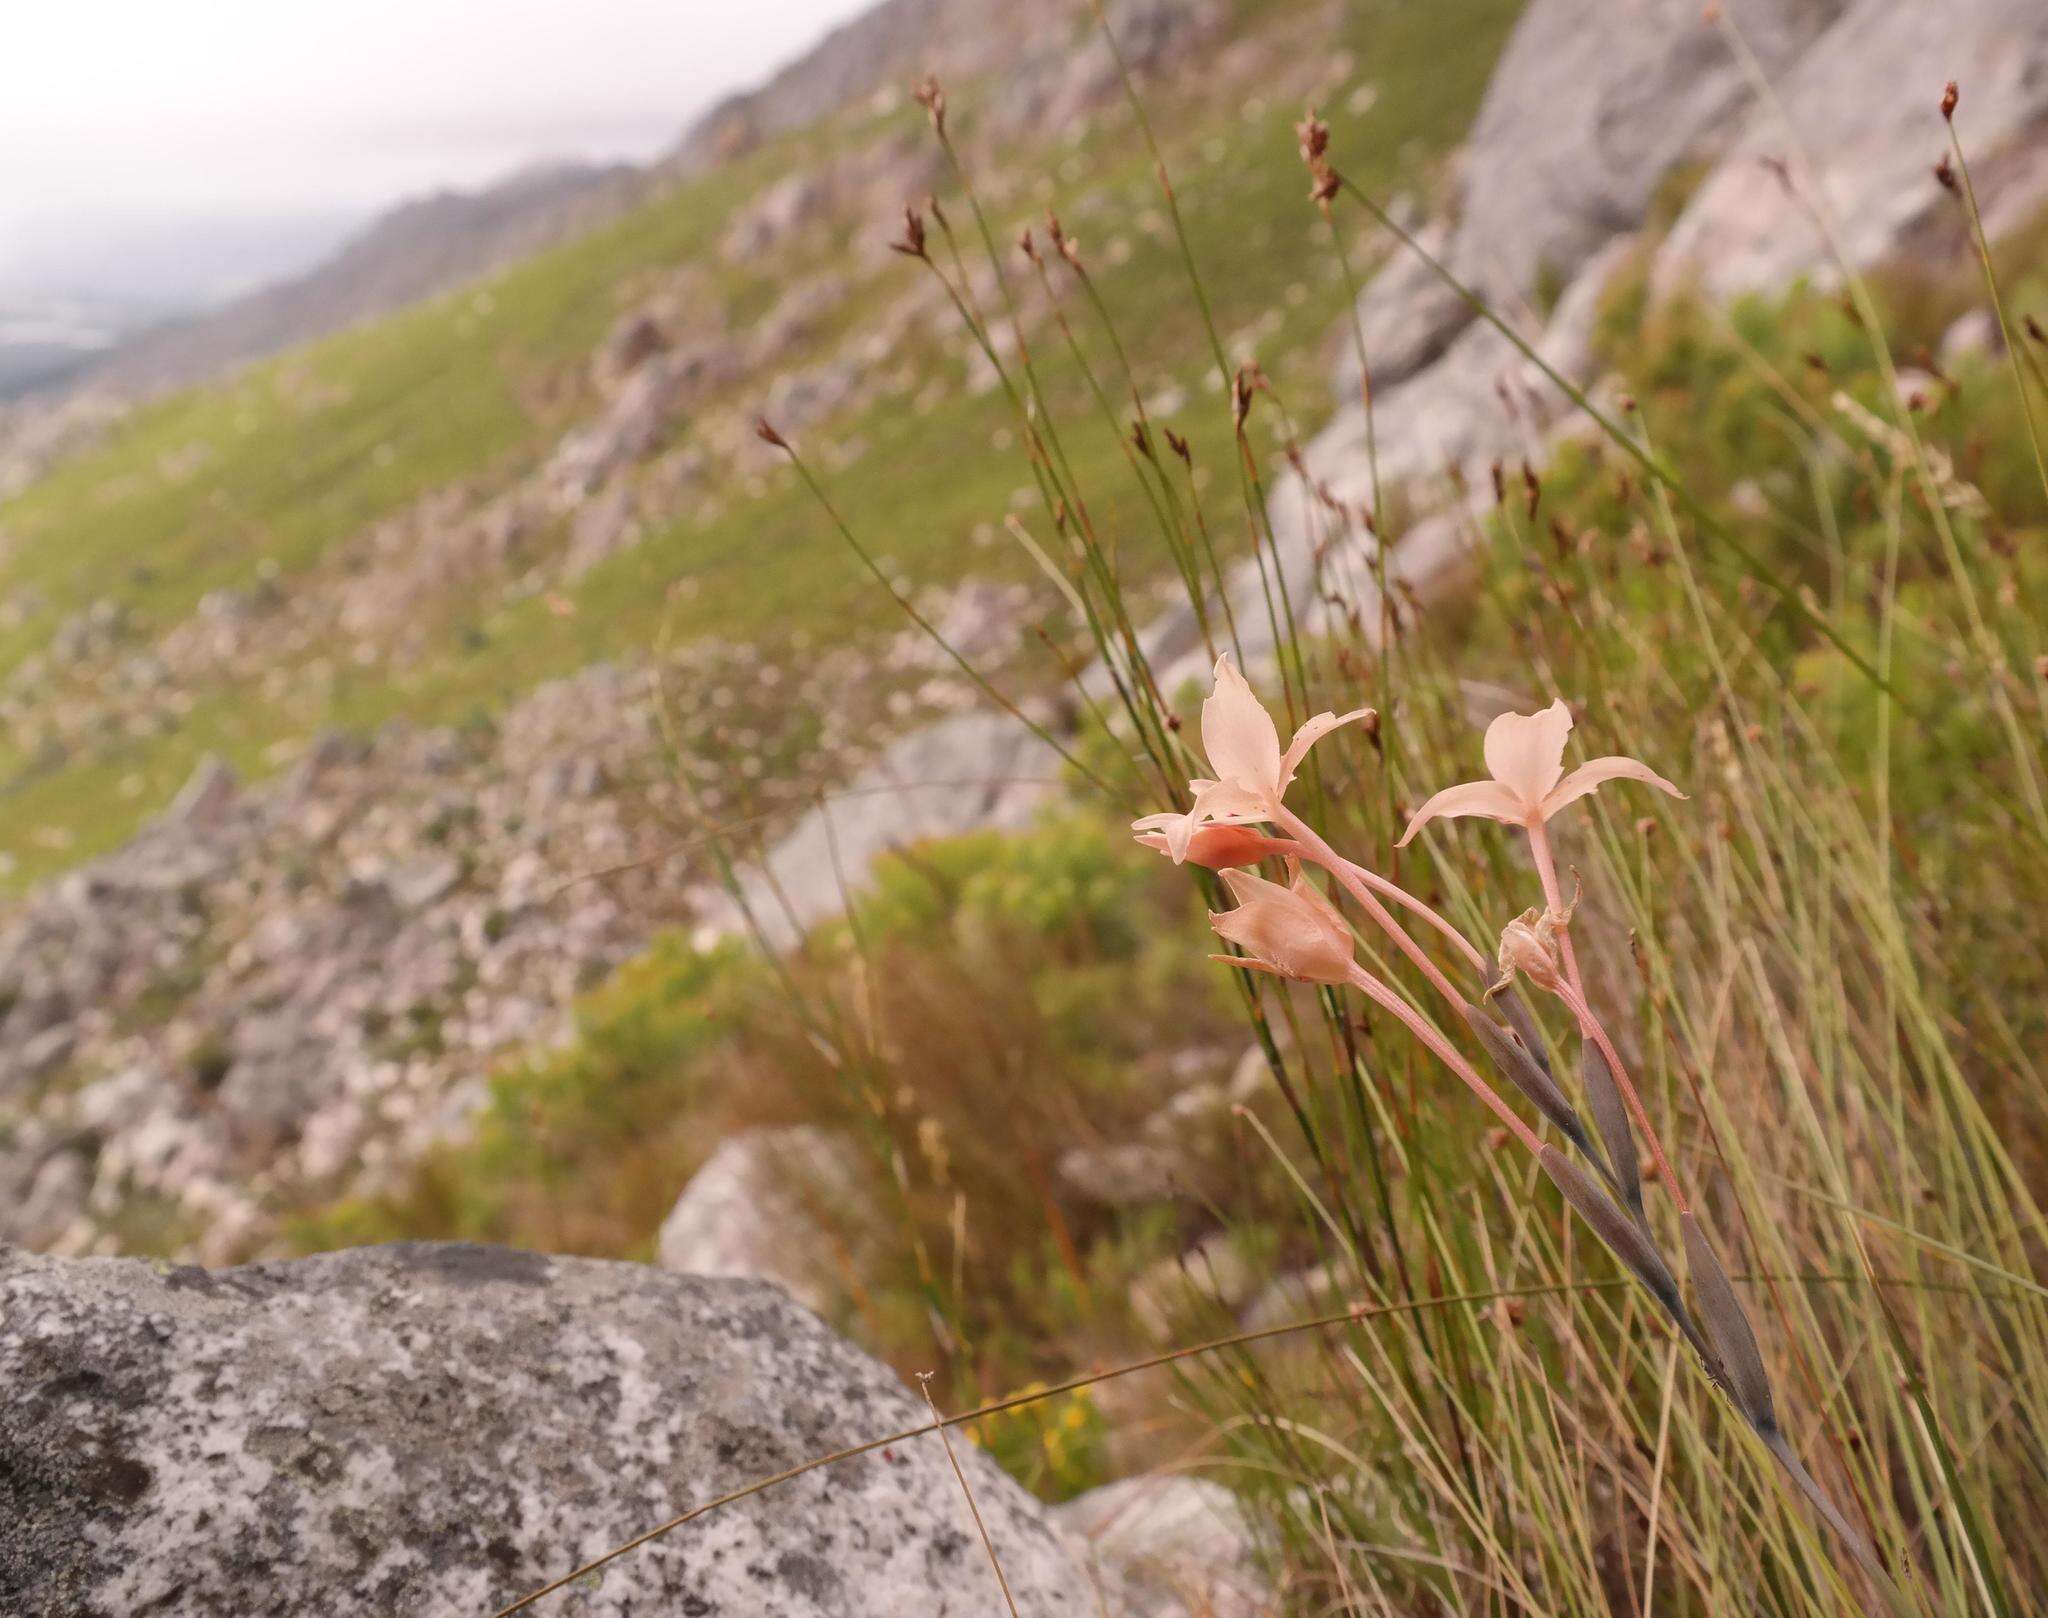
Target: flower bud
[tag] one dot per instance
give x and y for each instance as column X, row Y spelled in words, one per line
column 1528, row 945
column 1293, row 932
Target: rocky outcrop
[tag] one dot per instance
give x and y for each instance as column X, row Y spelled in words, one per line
column 1592, row 104
column 964, row 773
column 440, row 1429
column 1854, row 130
column 282, row 987
column 1593, row 109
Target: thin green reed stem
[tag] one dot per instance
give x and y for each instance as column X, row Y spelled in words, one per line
column 1139, row 459
column 2005, row 331
column 1201, row 297
column 1693, row 507
column 980, row 680
column 1116, row 343
column 1057, row 499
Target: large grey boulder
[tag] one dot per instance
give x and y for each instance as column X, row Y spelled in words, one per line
column 434, row 1430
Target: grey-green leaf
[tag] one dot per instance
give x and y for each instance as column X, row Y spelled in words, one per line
column 1514, row 1061
column 1626, row 1239
column 1610, row 1117
column 1523, row 1021
column 1727, row 1325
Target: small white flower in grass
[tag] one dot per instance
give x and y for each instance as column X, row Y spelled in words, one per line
column 1243, row 747
column 1525, row 756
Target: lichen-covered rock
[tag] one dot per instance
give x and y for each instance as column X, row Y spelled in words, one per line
column 428, row 1429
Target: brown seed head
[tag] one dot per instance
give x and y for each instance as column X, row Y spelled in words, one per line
column 1179, row 446
column 1945, row 172
column 1314, row 136
column 1240, row 399
column 767, row 434
column 912, row 243
column 1949, row 97
column 2034, row 330
column 933, row 100
column 1028, row 246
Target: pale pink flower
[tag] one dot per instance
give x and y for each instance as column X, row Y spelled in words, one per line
column 1219, row 847
column 1293, row 931
column 1525, row 755
column 1243, row 746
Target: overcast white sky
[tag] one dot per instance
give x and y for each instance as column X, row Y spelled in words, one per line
column 114, row 110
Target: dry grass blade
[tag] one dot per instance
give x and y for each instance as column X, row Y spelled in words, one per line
column 924, row 1386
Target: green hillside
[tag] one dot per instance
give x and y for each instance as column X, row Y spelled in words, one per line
column 270, row 480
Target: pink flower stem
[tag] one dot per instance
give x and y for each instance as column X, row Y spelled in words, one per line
column 1353, row 878
column 1572, row 991
column 1419, row 1026
column 1401, row 896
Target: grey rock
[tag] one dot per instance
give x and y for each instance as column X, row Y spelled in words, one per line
column 1971, row 335
column 1125, row 1174
column 1858, row 118
column 206, row 797
column 763, row 1207
column 1174, row 1291
column 634, row 337
column 419, row 882
column 963, row 773
column 438, row 1429
column 1172, row 1547
column 1592, row 104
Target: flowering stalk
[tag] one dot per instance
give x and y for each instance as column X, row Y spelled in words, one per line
column 1420, row 1027
column 1356, row 882
column 1571, row 989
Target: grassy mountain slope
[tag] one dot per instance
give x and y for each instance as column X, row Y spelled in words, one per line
column 268, row 484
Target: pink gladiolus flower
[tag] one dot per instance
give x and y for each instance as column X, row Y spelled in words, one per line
column 1293, row 932
column 1218, row 847
column 1252, row 773
column 1525, row 755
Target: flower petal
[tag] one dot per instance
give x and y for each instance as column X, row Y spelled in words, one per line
column 1222, row 845
column 1238, row 733
column 1309, row 734
column 1293, row 930
column 1525, row 751
column 1597, row 771
column 1489, row 798
column 1221, row 803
